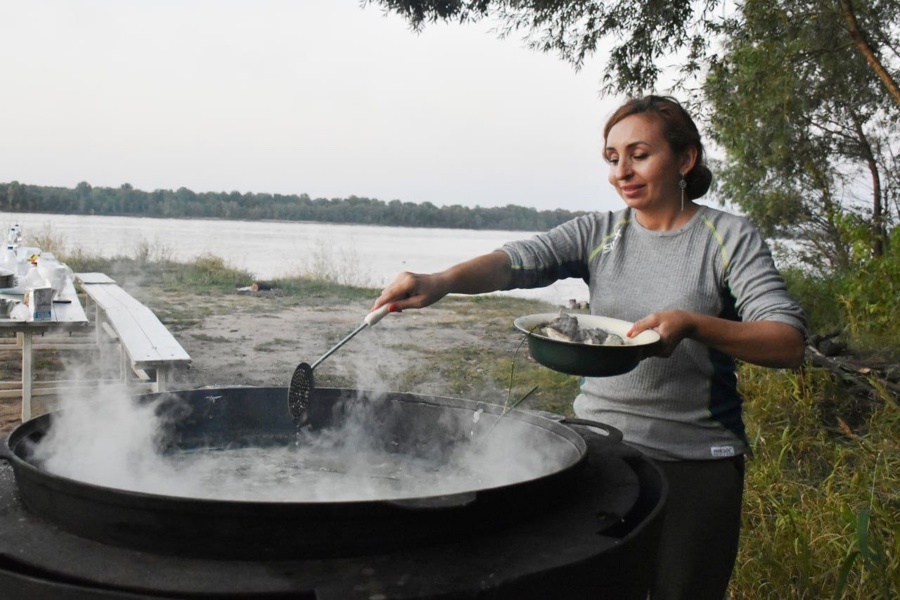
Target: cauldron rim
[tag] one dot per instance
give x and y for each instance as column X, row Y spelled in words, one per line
column 41, row 424
column 238, row 528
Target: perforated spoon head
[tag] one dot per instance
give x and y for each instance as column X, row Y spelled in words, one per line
column 299, row 393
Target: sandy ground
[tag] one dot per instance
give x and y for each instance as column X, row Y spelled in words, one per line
column 255, row 340
column 264, row 349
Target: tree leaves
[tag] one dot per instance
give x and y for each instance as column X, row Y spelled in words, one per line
column 805, row 123
column 643, row 33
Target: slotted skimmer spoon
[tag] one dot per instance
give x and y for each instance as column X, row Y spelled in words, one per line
column 302, row 385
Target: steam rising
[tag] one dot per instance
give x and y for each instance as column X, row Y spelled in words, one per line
column 107, row 439
column 121, row 443
column 376, row 448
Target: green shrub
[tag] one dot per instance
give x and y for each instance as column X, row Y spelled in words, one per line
column 820, row 298
column 870, row 298
column 863, row 303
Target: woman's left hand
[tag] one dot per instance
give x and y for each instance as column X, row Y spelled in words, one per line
column 671, row 325
column 765, row 343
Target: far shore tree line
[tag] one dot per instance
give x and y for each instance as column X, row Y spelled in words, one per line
column 184, row 203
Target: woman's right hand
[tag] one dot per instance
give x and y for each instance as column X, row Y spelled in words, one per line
column 486, row 273
column 412, row 290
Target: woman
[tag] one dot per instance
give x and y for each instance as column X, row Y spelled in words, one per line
column 706, row 282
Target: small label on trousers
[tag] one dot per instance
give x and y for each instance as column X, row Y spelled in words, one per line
column 722, row 451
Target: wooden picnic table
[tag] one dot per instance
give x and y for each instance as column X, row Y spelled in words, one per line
column 67, row 314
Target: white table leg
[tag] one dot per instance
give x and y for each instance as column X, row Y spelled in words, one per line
column 162, row 380
column 26, row 375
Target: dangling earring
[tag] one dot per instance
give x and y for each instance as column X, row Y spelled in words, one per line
column 683, row 185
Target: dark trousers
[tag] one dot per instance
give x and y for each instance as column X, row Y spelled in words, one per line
column 702, row 526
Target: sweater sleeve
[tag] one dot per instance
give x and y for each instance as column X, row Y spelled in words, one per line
column 548, row 257
column 758, row 289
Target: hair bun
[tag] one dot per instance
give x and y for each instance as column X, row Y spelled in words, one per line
column 698, row 181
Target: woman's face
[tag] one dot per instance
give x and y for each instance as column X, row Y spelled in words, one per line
column 642, row 167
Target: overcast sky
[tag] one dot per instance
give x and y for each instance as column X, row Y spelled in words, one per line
column 294, row 96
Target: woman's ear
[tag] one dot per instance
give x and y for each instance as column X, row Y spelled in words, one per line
column 688, row 160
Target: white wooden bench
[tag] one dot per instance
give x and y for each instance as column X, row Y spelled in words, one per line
column 149, row 350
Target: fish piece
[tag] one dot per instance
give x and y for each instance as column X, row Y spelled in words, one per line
column 553, row 334
column 564, row 328
column 599, row 337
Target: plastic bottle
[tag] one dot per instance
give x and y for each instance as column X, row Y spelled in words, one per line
column 52, row 271
column 8, row 261
column 34, row 279
column 15, row 234
column 47, row 264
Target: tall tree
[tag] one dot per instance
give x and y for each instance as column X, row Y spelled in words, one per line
column 808, row 130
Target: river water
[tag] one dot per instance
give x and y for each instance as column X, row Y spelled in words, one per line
column 352, row 254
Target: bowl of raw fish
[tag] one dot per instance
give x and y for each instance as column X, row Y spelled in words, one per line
column 599, row 347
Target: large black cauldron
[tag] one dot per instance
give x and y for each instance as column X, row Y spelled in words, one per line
column 590, row 525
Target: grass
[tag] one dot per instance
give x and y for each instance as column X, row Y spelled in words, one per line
column 497, row 367
column 203, row 337
column 272, row 345
column 306, row 290
column 494, row 375
column 821, row 510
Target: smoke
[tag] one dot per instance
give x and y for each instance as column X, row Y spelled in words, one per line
column 378, row 448
column 373, row 368
column 379, row 445
column 105, row 438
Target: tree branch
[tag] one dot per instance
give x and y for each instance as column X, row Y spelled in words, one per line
column 859, row 378
column 866, row 50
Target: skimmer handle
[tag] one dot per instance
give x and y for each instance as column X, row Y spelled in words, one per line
column 377, row 315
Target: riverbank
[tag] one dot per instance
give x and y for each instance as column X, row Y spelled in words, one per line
column 359, row 255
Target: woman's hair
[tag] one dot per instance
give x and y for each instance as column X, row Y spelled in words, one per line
column 679, row 131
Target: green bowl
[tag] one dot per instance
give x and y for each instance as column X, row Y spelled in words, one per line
column 587, row 360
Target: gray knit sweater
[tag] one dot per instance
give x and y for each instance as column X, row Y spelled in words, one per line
column 685, row 406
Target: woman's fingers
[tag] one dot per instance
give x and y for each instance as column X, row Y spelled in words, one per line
column 671, row 325
column 651, row 321
column 408, row 290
